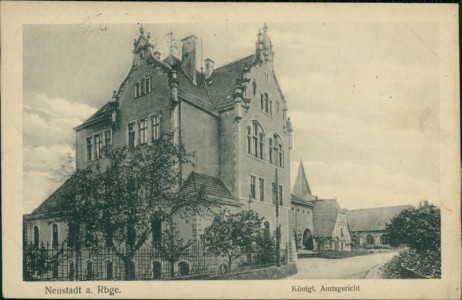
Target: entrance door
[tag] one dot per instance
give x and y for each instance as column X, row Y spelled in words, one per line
column 308, row 239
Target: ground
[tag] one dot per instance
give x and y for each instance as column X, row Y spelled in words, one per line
column 353, row 267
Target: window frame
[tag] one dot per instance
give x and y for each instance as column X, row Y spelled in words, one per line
column 98, row 145
column 89, row 147
column 156, row 126
column 253, row 188
column 131, row 135
column 143, row 131
column 261, row 186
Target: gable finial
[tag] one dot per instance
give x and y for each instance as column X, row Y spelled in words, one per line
column 141, row 29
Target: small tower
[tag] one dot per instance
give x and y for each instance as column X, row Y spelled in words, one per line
column 301, row 187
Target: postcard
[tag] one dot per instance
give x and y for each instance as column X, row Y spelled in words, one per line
column 230, row 150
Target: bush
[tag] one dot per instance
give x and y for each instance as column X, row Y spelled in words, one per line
column 426, row 264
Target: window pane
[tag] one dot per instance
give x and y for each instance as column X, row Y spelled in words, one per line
column 89, row 149
column 131, row 135
column 262, row 189
column 252, row 187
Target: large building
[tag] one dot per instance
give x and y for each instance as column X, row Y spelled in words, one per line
column 233, row 117
column 369, row 226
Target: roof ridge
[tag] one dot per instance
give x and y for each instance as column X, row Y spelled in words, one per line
column 232, row 62
column 380, row 207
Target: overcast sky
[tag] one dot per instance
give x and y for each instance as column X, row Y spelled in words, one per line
column 362, row 97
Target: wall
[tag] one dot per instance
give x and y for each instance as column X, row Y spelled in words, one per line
column 302, row 217
column 132, row 109
column 199, row 134
column 45, row 230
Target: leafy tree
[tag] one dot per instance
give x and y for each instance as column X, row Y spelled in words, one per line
column 172, row 247
column 118, row 196
column 230, row 234
column 418, row 228
column 266, row 246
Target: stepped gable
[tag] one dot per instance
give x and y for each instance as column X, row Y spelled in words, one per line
column 373, row 219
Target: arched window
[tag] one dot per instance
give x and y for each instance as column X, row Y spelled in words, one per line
column 370, row 239
column 36, row 236
column 71, row 270
column 156, row 229
column 156, row 270
column 183, row 268
column 255, row 140
column 89, row 271
column 109, row 270
column 276, row 150
column 262, row 145
column 384, row 239
column 262, row 102
column 54, row 241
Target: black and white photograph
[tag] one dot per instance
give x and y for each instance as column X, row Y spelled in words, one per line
column 308, row 155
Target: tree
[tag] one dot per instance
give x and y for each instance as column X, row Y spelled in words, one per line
column 172, row 247
column 229, row 234
column 118, row 197
column 418, row 228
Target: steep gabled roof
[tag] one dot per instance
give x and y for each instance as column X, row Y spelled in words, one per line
column 53, row 205
column 325, row 213
column 213, row 186
column 301, row 188
column 221, row 84
column 373, row 219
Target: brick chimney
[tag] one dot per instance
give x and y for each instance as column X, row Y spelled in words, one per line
column 188, row 57
column 208, row 68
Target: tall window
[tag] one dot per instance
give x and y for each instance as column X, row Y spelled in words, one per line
column 262, row 145
column 54, row 235
column 155, row 121
column 270, row 149
column 131, row 135
column 266, row 103
column 137, row 89
column 255, row 140
column 262, row 189
column 148, row 84
column 143, row 87
column 36, row 236
column 252, row 187
column 89, row 148
column 276, row 150
column 277, row 193
column 156, row 229
column 249, row 140
column 98, row 146
column 262, row 102
column 143, row 131
column 280, row 196
column 107, row 139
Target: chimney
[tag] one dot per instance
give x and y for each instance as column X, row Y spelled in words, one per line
column 208, row 68
column 188, row 57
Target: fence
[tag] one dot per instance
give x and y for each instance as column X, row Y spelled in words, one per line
column 48, row 263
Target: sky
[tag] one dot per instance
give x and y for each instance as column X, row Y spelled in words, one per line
column 363, row 98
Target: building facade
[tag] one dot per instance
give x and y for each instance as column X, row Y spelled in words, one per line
column 368, row 226
column 234, row 118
